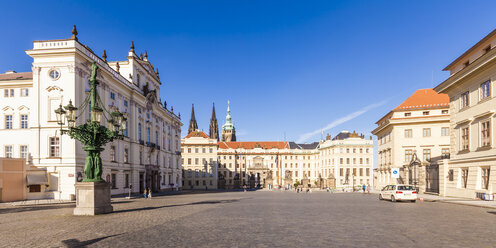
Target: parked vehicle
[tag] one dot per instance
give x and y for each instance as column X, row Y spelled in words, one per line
column 398, row 193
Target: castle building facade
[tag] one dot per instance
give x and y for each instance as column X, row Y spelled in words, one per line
column 148, row 155
column 343, row 161
column 470, row 169
column 414, row 138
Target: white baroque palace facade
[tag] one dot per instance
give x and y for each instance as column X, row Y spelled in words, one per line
column 470, row 169
column 199, row 161
column 148, row 155
column 343, row 161
column 417, row 127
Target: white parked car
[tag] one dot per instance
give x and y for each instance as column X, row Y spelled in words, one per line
column 398, row 193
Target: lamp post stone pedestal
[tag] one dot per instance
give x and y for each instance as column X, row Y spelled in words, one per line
column 93, row 193
column 92, row 198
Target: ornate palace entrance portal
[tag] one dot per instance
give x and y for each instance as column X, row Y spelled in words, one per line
column 258, row 173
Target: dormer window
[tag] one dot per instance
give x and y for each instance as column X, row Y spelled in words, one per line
column 445, row 111
column 408, row 114
column 487, row 49
column 425, row 113
column 466, row 63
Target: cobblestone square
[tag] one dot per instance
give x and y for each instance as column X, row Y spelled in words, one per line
column 252, row 219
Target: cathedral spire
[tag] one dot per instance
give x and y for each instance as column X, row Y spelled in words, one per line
column 213, row 132
column 192, row 122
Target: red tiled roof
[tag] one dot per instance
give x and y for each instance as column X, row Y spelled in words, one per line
column 254, row 144
column 424, row 98
column 197, row 134
column 16, row 76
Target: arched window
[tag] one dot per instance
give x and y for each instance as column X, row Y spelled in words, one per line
column 148, row 134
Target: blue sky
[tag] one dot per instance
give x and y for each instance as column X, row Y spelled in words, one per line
column 289, row 68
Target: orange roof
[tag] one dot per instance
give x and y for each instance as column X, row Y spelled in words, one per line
column 16, row 76
column 254, row 144
column 424, row 98
column 197, row 134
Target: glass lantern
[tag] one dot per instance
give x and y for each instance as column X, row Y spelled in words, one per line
column 60, row 112
column 96, row 114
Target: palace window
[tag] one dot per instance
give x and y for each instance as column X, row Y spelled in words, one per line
column 485, row 90
column 361, row 160
column 367, row 170
column 54, row 147
column 444, row 111
column 126, row 178
column 24, row 151
column 408, row 114
column 464, row 100
column 426, row 132
column 465, row 136
column 425, row 113
column 408, row 155
column 148, row 135
column 25, row 92
column 445, row 131
column 347, row 160
column 114, row 181
column 486, row 133
column 139, row 131
column 112, row 153
column 361, row 171
column 408, row 133
column 368, row 160
column 451, row 175
column 445, row 153
column 24, row 121
column 126, row 155
column 141, row 157
column 485, row 178
column 8, row 151
column 8, row 122
column 125, row 103
column 427, row 154
column 464, row 177
column 112, row 95
column 54, row 74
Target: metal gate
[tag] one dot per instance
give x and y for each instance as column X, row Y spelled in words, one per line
column 432, row 178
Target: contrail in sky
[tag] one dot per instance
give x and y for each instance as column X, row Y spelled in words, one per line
column 304, row 137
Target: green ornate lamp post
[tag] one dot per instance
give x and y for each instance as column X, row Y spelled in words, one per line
column 92, row 134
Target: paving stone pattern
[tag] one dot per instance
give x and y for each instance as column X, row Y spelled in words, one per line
column 252, row 219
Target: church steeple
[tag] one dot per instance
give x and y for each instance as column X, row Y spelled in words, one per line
column 213, row 131
column 228, row 130
column 193, row 126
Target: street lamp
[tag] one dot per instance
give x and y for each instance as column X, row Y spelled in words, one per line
column 92, row 134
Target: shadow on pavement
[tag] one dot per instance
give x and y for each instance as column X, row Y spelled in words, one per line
column 19, row 209
column 491, row 212
column 176, row 205
column 76, row 243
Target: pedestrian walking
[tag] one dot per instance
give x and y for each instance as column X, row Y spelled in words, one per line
column 363, row 188
column 145, row 194
column 149, row 194
column 368, row 188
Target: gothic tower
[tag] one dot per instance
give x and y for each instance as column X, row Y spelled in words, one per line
column 228, row 130
column 192, row 122
column 213, row 132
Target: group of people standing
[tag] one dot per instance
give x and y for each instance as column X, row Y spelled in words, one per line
column 148, row 193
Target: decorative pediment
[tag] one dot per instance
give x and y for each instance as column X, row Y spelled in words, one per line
column 54, row 87
column 23, row 108
column 8, row 109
